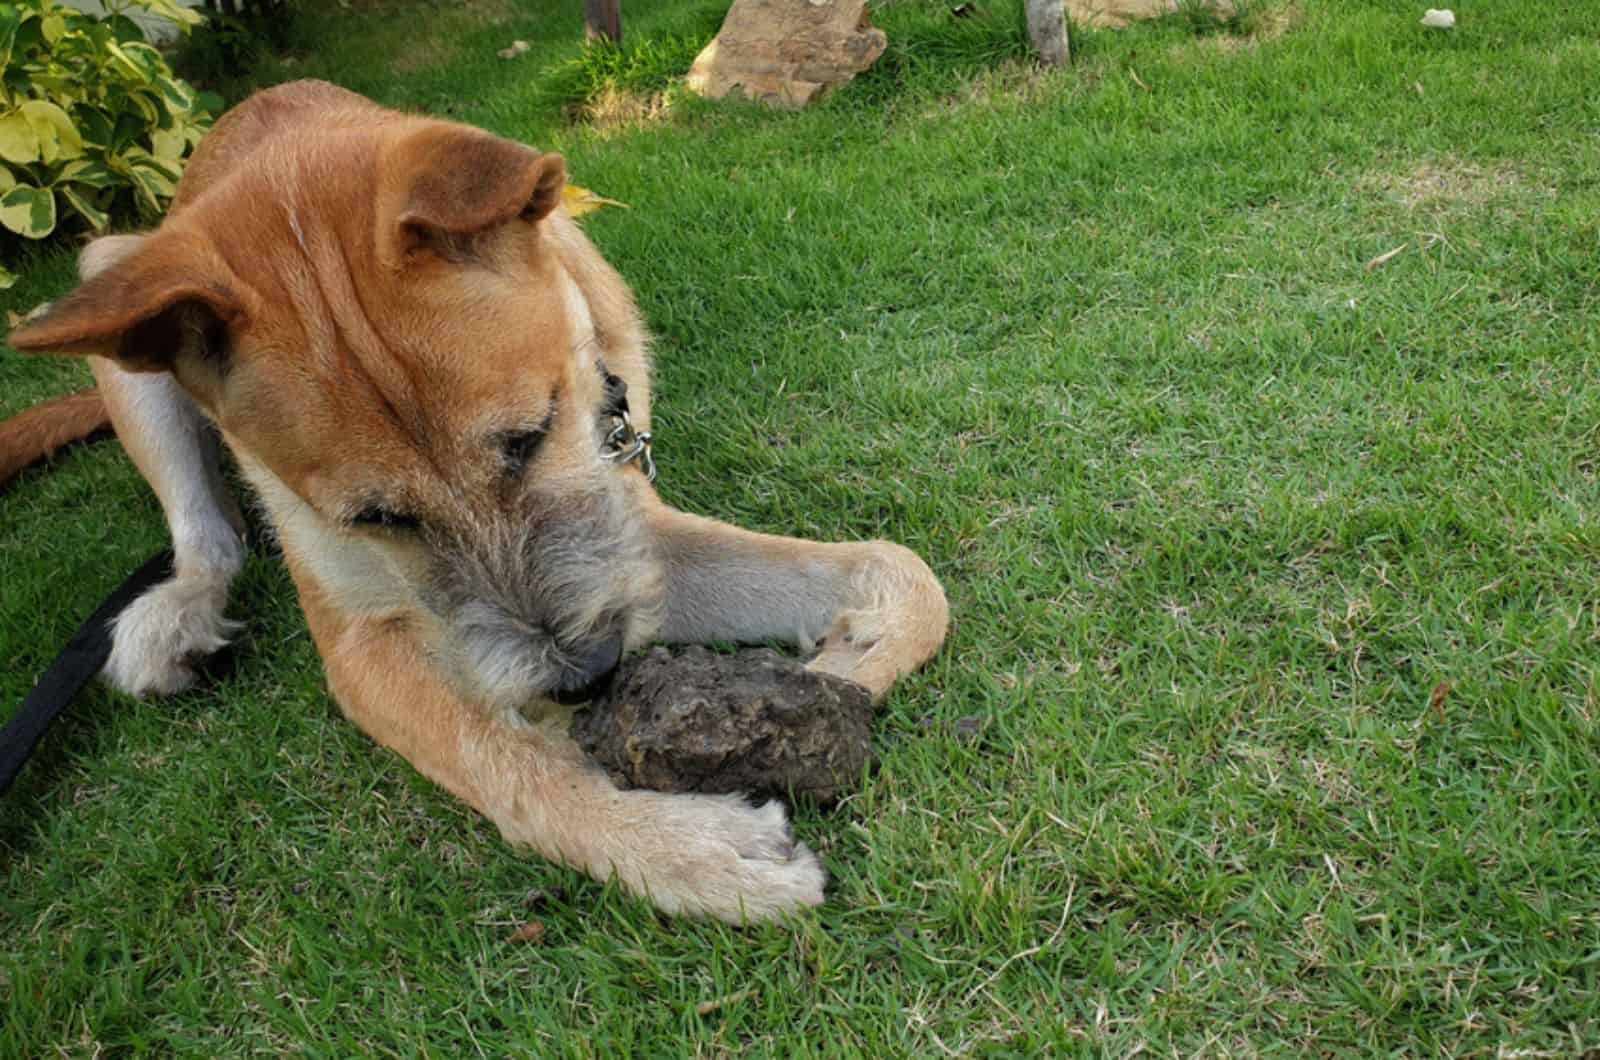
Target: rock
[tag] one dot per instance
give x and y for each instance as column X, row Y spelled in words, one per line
column 756, row 722
column 786, row 53
column 1112, row 14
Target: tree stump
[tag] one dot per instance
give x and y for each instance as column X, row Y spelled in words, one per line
column 602, row 20
column 1047, row 29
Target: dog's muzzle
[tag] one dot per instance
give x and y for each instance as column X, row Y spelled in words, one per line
column 590, row 673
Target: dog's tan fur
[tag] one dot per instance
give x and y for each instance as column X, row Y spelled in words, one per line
column 378, row 312
column 38, row 432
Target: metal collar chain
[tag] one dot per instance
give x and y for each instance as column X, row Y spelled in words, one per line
column 623, row 444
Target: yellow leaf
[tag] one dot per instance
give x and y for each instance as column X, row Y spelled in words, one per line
column 18, row 141
column 58, row 137
column 167, row 9
column 125, row 61
column 579, row 201
column 168, row 143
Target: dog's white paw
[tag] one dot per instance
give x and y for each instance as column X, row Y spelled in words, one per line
column 898, row 619
column 160, row 638
column 716, row 855
column 844, row 650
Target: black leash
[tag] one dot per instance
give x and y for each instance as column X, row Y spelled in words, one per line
column 75, row 667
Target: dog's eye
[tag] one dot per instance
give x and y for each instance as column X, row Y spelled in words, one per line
column 385, row 518
column 518, row 448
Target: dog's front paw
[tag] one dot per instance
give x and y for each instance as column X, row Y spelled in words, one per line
column 716, row 855
column 161, row 637
column 850, row 649
column 896, row 620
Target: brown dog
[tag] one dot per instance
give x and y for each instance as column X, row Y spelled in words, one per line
column 421, row 365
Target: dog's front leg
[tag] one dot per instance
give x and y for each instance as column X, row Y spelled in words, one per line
column 161, row 636
column 873, row 609
column 692, row 854
column 141, row 312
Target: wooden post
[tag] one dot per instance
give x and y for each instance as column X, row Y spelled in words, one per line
column 1047, row 28
column 602, row 19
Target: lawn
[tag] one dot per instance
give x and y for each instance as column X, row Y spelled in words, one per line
column 1275, row 577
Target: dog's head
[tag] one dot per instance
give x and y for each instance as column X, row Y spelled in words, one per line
column 383, row 322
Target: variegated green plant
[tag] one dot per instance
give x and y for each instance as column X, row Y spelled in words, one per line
column 93, row 124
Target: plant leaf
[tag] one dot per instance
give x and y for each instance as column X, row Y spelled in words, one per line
column 183, row 16
column 579, row 201
column 87, row 171
column 98, row 219
column 93, row 125
column 58, row 137
column 29, row 211
column 151, row 187
column 147, row 108
column 125, row 61
column 7, row 278
column 177, row 95
column 166, row 170
column 11, row 17
column 146, row 58
column 168, row 144
column 18, row 141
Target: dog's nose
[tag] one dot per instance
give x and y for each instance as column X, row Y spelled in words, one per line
column 589, row 673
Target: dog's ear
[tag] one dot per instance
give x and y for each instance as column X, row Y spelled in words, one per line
column 458, row 181
column 144, row 304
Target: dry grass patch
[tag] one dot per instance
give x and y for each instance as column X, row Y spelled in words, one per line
column 1264, row 25
column 1256, row 26
column 1444, row 182
column 617, row 110
column 1013, row 81
column 1115, row 14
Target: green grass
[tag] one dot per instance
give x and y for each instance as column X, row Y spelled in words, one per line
column 1218, row 510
